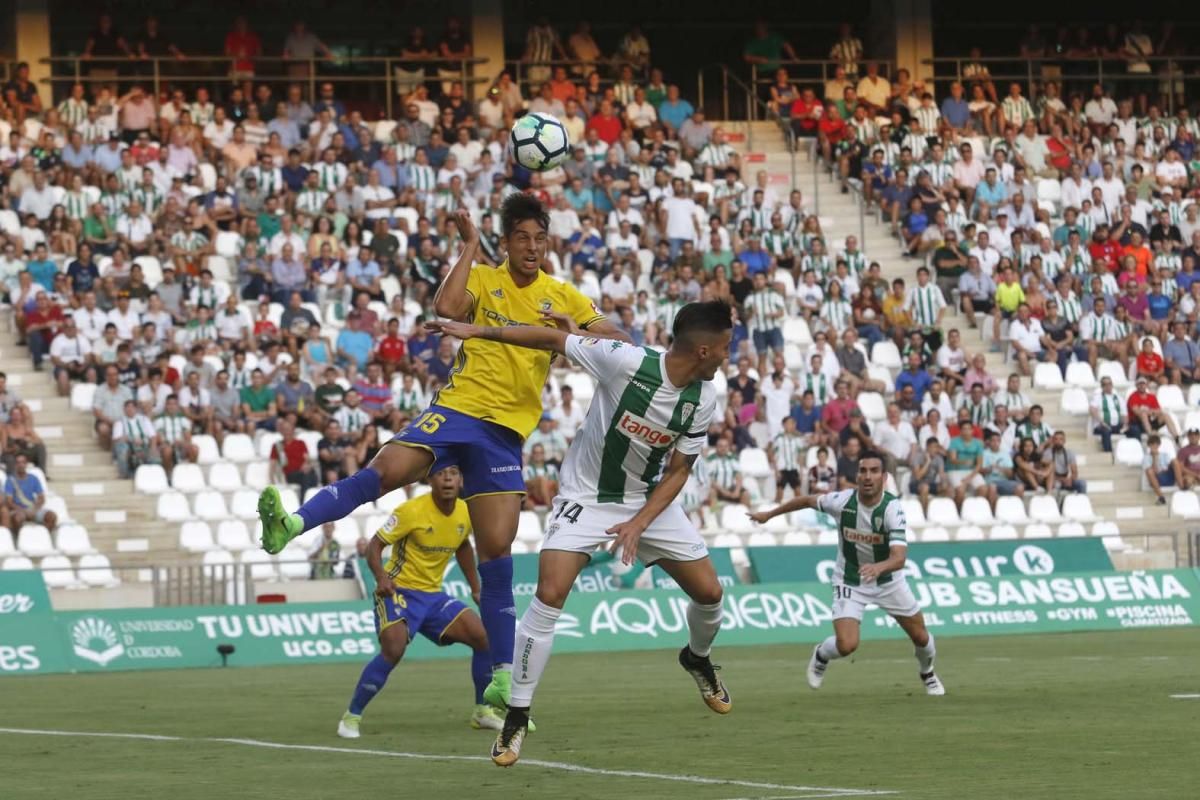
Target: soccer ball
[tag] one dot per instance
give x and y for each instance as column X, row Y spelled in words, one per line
column 539, row 142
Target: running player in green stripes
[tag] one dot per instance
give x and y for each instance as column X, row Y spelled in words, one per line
column 872, row 547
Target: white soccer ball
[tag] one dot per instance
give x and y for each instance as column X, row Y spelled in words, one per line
column 539, row 142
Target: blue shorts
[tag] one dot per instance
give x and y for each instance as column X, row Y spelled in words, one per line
column 427, row 613
column 770, row 338
column 487, row 454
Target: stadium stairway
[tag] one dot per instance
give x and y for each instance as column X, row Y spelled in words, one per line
column 1114, row 490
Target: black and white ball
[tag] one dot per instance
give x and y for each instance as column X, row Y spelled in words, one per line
column 539, row 142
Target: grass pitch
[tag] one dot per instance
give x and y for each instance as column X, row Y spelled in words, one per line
column 1029, row 717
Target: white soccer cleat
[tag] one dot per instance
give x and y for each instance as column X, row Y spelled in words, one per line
column 816, row 669
column 933, row 684
column 486, row 717
column 348, row 727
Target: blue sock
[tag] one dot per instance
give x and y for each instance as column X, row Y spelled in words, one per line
column 481, row 672
column 370, row 683
column 498, row 609
column 340, row 499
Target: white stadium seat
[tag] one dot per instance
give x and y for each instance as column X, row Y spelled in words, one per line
column 1071, row 530
column 1038, row 530
column 224, row 477
column 1048, row 377
column 233, row 535
column 1080, row 375
column 346, row 532
column 258, row 475
column 886, row 354
column 188, row 478
column 942, row 511
column 827, row 538
column 735, row 518
column 872, row 406
column 173, row 506
column 969, row 533
column 762, row 539
column 1011, row 510
column 1185, row 505
column 1078, row 508
column 976, row 511
column 1002, row 532
column 96, row 570
column 1114, row 371
column 73, row 540
column 754, row 463
column 1128, row 452
column 58, row 573
column 211, row 505
column 218, row 563
column 196, row 537
column 16, row 563
column 207, row 447
column 34, row 541
column 792, row 538
column 913, row 512
column 7, row 546
column 1044, row 508
column 262, row 568
column 1075, row 401
column 238, row 447
column 1171, row 398
column 244, row 504
column 81, row 396
column 264, row 441
column 934, row 533
column 529, row 527
column 150, row 479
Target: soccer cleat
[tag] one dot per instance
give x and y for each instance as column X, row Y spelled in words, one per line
column 702, row 670
column 278, row 527
column 816, row 669
column 486, row 717
column 499, row 691
column 348, row 727
column 507, row 747
column 933, row 684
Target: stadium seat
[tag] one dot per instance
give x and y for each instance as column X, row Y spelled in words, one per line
column 1038, row 530
column 754, row 463
column 913, row 512
column 583, row 386
column 373, row 523
column 196, row 537
column 244, row 504
column 796, row 331
column 293, row 564
column 1192, row 420
column 207, row 447
column 233, row 535
column 1171, row 398
column 795, row 538
column 942, row 511
column 529, row 527
column 264, row 441
column 346, row 532
column 881, row 374
column 218, row 564
column 1075, row 401
column 7, row 546
column 1185, row 505
column 96, row 570
column 1114, row 371
column 211, row 505
column 872, row 406
column 224, row 477
column 1044, row 508
column 418, row 490
column 34, row 541
column 1193, row 395
column 188, row 478
column 976, row 511
column 310, row 439
column 1002, row 532
column 239, row 448
column 1128, row 453
column 735, row 519
column 1071, row 530
column 81, row 396
column 886, row 354
column 1080, row 375
column 1048, row 377
column 969, row 533
column 1049, row 193
column 778, row 525
column 73, row 540
column 387, row 504
column 262, row 568
column 762, row 539
column 793, row 357
column 58, row 573
column 1011, row 510
column 258, row 475
column 1078, row 508
column 173, row 506
column 827, row 538
column 150, row 479
column 16, row 563
column 934, row 533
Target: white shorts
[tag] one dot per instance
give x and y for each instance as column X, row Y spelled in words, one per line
column 959, row 477
column 581, row 528
column 895, row 597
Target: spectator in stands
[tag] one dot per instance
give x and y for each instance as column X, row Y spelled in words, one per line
column 1187, row 461
column 1145, row 413
column 290, row 459
column 108, row 404
column 915, row 375
column 226, row 407
column 1160, row 470
column 336, row 453
column 24, row 499
column 1181, row 356
column 258, row 402
column 1065, row 471
column 325, row 554
column 541, row 479
column 725, row 476
column 135, row 440
column 554, row 444
column 965, row 463
column 175, row 436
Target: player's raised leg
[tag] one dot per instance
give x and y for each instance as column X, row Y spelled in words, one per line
column 557, row 571
column 393, row 466
column 699, row 581
column 925, row 651
column 843, row 643
column 393, row 640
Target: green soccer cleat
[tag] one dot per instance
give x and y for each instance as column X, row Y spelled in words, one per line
column 348, row 727
column 486, row 718
column 499, row 692
column 278, row 526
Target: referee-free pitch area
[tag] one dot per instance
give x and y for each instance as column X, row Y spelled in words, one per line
column 1029, row 717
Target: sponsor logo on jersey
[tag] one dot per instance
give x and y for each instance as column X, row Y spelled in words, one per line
column 500, row 319
column 591, row 341
column 862, row 537
column 637, row 427
column 686, row 413
column 498, row 293
column 641, row 386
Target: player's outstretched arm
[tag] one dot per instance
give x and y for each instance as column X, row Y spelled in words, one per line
column 451, row 299
column 531, row 336
column 674, row 477
column 795, row 504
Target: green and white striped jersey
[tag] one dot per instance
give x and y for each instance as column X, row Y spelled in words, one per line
column 543, row 470
column 818, row 384
column 722, row 470
column 924, row 303
column 866, row 534
column 789, row 451
column 422, row 177
column 765, row 309
column 311, row 201
column 73, row 112
column 330, row 176
column 636, row 419
column 666, row 311
column 173, row 429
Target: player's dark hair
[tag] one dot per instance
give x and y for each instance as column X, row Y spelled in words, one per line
column 869, row 453
column 714, row 316
column 519, row 207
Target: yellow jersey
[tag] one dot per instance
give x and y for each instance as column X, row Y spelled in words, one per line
column 1009, row 296
column 423, row 541
column 498, row 382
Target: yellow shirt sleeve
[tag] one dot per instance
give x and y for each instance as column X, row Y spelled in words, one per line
column 581, row 309
column 397, row 526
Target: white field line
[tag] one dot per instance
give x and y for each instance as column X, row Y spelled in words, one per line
column 1185, row 697
column 528, row 762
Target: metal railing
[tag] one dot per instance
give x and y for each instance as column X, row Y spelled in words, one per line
column 814, row 70
column 1081, row 73
column 530, row 75
column 395, row 74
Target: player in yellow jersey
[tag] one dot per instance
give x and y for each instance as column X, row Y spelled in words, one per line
column 478, row 421
column 424, row 534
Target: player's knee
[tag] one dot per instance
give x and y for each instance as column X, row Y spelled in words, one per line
column 846, row 645
column 553, row 596
column 710, row 595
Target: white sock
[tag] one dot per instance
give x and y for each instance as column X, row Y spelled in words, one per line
column 827, row 651
column 703, row 624
column 535, row 640
column 925, row 656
